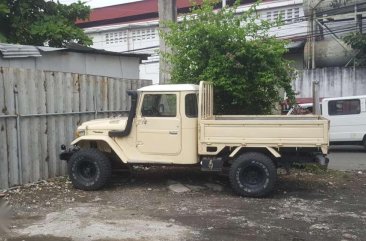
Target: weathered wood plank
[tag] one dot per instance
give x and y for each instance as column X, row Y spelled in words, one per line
column 51, row 132
column 42, row 109
column 75, row 101
column 68, row 122
column 33, row 156
column 4, row 161
column 83, row 93
column 111, row 88
column 118, row 95
column 91, row 96
column 23, row 92
column 60, row 120
column 11, row 139
column 103, row 98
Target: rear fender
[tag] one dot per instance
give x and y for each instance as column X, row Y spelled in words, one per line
column 270, row 150
column 104, row 139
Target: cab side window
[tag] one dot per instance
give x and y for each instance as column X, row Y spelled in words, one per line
column 191, row 105
column 159, row 105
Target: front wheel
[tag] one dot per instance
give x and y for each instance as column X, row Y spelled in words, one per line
column 89, row 169
column 253, row 175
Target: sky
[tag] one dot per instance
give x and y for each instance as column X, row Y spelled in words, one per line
column 99, row 3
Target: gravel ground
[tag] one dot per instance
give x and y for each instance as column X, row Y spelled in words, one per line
column 186, row 204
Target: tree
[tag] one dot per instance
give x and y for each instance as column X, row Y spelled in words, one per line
column 3, row 10
column 39, row 22
column 234, row 52
column 358, row 41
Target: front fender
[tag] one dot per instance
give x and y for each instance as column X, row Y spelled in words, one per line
column 111, row 143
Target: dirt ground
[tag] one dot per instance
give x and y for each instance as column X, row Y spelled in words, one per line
column 186, row 204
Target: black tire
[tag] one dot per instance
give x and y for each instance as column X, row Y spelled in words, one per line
column 364, row 142
column 253, row 175
column 89, row 169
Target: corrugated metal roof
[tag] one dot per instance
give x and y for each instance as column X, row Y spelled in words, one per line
column 8, row 51
column 18, row 51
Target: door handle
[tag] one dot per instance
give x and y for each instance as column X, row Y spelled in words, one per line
column 173, row 132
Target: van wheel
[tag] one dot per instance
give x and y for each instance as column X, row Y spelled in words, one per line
column 89, row 169
column 253, row 175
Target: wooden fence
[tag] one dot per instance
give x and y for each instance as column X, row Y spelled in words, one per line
column 40, row 110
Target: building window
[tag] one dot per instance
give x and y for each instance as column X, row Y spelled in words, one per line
column 344, row 107
column 269, row 16
column 143, row 34
column 289, row 16
column 116, row 37
column 282, row 15
column 297, row 15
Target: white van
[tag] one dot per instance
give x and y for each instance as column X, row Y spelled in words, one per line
column 347, row 117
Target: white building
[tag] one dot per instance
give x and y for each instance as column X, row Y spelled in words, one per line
column 133, row 28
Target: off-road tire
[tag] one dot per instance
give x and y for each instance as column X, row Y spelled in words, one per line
column 247, row 165
column 89, row 169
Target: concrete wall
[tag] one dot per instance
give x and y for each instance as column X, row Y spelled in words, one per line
column 93, row 64
column 334, row 82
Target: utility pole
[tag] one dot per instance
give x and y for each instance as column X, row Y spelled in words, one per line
column 312, row 38
column 167, row 12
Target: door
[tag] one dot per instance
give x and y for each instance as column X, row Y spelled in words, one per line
column 346, row 120
column 159, row 124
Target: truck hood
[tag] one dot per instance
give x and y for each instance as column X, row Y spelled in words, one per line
column 105, row 124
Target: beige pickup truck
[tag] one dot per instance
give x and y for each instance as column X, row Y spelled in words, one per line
column 175, row 125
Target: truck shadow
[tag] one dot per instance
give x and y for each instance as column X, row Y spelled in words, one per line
column 197, row 181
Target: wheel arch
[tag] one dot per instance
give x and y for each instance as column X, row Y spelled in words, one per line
column 269, row 151
column 102, row 143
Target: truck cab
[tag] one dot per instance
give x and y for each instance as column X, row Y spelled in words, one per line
column 175, row 125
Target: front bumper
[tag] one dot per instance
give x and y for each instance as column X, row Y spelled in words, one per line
column 67, row 152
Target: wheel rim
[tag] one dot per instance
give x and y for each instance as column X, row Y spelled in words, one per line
column 252, row 176
column 86, row 170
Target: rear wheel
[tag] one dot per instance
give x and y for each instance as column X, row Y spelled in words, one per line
column 253, row 175
column 89, row 169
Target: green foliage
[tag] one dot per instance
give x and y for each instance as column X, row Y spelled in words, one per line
column 234, row 52
column 358, row 41
column 3, row 10
column 39, row 22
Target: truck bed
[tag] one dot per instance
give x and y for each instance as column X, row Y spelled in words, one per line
column 264, row 131
column 270, row 131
